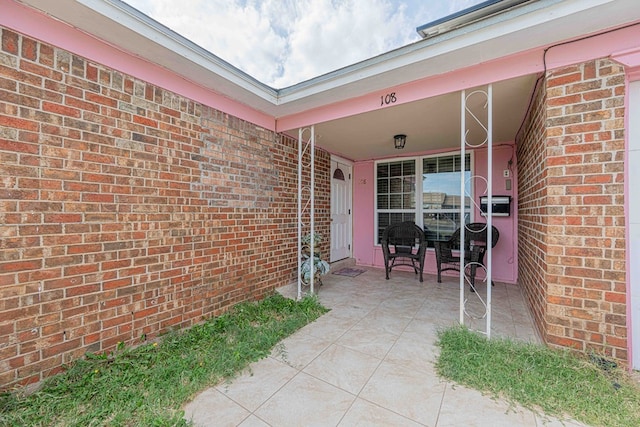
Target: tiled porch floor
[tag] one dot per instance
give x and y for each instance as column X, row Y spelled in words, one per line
column 370, row 362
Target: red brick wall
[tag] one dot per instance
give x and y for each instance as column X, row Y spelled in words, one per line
column 581, row 179
column 126, row 210
column 532, row 210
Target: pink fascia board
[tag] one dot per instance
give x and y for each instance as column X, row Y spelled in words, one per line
column 32, row 23
column 630, row 58
column 609, row 43
column 516, row 65
column 481, row 74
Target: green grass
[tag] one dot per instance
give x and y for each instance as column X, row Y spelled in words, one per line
column 556, row 382
column 148, row 385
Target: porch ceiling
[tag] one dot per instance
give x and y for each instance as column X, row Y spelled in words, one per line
column 430, row 124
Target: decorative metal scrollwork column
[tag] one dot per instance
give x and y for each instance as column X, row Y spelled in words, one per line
column 306, row 200
column 473, row 305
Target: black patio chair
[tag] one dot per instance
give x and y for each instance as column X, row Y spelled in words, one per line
column 404, row 244
column 475, row 247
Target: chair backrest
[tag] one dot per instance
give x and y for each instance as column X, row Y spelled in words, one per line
column 477, row 231
column 403, row 234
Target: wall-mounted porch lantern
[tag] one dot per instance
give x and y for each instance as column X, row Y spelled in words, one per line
column 399, row 141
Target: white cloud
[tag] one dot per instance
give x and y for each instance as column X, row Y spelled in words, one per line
column 283, row 42
column 331, row 35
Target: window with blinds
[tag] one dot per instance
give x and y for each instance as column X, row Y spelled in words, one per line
column 396, row 193
column 434, row 205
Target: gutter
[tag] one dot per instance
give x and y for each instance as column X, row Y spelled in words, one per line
column 467, row 16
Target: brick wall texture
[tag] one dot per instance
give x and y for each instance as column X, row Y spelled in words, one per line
column 571, row 209
column 127, row 210
column 532, row 211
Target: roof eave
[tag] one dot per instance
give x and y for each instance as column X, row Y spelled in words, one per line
column 466, row 16
column 128, row 29
column 510, row 31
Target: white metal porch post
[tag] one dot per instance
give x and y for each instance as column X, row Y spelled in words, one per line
column 489, row 259
column 463, row 192
column 465, row 281
column 306, row 203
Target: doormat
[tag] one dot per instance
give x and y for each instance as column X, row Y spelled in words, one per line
column 350, row 272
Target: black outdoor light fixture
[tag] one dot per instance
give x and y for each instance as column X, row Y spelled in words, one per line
column 399, row 141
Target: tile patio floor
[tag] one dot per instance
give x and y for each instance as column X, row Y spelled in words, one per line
column 370, row 362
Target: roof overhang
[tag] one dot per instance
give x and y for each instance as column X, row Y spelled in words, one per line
column 532, row 25
column 505, row 49
column 467, row 16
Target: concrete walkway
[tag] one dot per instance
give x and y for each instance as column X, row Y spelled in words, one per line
column 370, row 362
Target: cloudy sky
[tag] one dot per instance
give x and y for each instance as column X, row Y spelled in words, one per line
column 284, row 42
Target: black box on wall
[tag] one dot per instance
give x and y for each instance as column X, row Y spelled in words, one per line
column 500, row 205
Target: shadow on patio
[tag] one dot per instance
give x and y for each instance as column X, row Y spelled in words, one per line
column 370, row 361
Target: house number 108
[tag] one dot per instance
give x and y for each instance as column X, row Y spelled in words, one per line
column 387, row 99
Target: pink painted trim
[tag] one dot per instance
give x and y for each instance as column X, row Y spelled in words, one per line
column 503, row 69
column 516, row 65
column 627, row 195
column 32, row 23
column 593, row 46
column 633, row 74
column 630, row 58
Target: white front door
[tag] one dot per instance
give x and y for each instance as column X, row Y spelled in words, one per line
column 340, row 210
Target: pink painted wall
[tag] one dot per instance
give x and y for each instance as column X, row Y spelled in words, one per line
column 363, row 212
column 505, row 254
